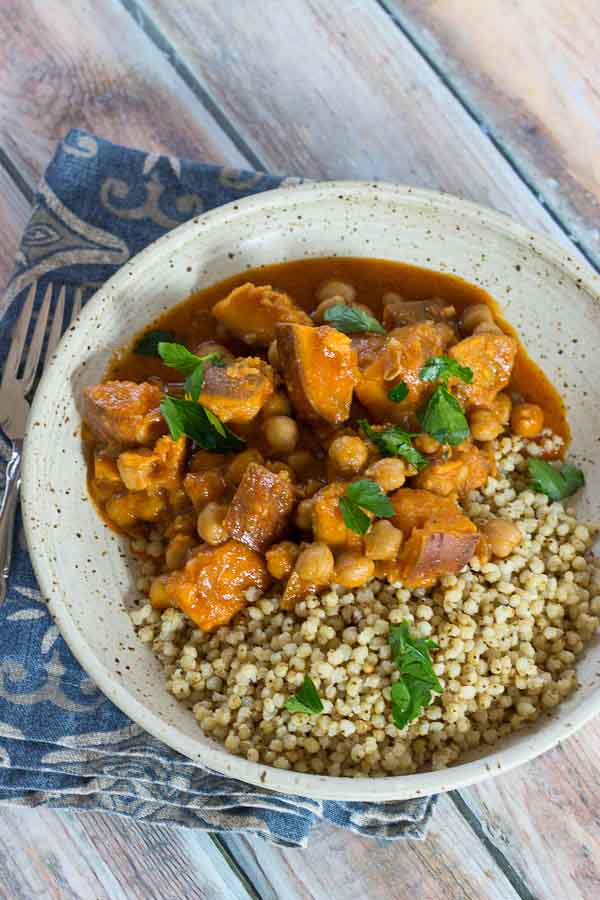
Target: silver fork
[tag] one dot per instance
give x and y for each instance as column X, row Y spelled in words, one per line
column 14, row 405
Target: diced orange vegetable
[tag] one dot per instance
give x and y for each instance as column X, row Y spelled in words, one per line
column 212, row 587
column 491, row 357
column 236, row 393
column 260, row 510
column 251, row 313
column 436, row 549
column 204, row 487
column 281, row 559
column 327, row 521
column 105, row 467
column 467, row 469
column 320, row 371
column 414, row 507
column 124, row 413
column 150, row 470
column 205, row 459
column 405, row 352
column 296, row 589
column 128, row 510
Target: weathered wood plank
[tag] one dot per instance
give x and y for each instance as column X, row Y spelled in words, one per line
column 90, row 66
column 336, row 90
column 14, row 211
column 544, row 818
column 529, row 72
column 448, row 865
column 44, row 853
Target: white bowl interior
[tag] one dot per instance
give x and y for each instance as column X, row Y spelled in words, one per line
column 82, row 566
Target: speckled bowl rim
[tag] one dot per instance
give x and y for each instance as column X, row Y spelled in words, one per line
column 529, row 744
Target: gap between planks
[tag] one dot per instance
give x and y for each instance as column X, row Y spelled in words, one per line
column 155, row 35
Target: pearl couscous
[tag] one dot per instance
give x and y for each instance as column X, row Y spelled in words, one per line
column 509, row 633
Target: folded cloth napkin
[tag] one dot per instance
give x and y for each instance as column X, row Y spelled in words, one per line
column 62, row 743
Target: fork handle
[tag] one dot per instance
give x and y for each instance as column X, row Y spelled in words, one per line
column 8, row 508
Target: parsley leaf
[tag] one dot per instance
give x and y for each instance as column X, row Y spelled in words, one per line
column 176, row 356
column 556, row 484
column 306, row 699
column 399, row 392
column 199, row 424
column 444, row 418
column 393, row 441
column 368, row 495
column 418, row 682
column 441, row 368
column 351, row 319
column 148, row 343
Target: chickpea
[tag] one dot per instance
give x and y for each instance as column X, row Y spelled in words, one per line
column 348, row 453
column 334, row 288
column 527, row 419
column 353, row 570
column 281, row 559
column 389, row 473
column 502, row 408
column 383, row 541
column 303, row 517
column 473, row 316
column 426, row 444
column 487, row 328
column 210, row 525
column 485, row 425
column 316, row 564
column 281, row 433
column 277, row 405
column 273, row 355
column 503, row 536
column 237, row 467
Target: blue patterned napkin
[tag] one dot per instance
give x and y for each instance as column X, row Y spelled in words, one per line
column 62, row 743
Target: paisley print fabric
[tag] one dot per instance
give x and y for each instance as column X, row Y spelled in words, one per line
column 62, row 743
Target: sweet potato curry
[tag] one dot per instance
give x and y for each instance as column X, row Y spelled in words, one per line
column 311, row 423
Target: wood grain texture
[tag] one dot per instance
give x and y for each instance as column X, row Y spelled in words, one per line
column 336, row 90
column 545, row 818
column 449, row 865
column 88, row 65
column 14, row 212
column 529, row 72
column 66, row 856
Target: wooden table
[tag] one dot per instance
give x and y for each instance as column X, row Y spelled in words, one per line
column 494, row 100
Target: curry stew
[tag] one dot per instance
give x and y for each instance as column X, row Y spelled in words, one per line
column 347, row 406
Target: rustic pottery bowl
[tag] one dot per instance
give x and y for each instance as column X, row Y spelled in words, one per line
column 551, row 298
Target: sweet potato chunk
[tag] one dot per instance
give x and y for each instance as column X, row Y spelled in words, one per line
column 440, row 538
column 260, row 510
column 436, row 550
column 401, row 359
column 466, row 470
column 150, row 470
column 124, row 413
column 105, row 467
column 327, row 521
column 204, row 487
column 213, row 586
column 251, row 313
column 367, row 347
column 398, row 312
column 491, row 358
column 128, row 510
column 236, row 393
column 320, row 371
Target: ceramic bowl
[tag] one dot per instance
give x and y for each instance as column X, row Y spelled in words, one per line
column 551, row 298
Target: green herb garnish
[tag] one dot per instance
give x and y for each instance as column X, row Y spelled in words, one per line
column 200, row 424
column 351, row 320
column 148, row 343
column 441, row 368
column 176, row 356
column 365, row 494
column 394, row 441
column 306, row 699
column 556, row 484
column 418, row 682
column 399, row 392
column 444, row 418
